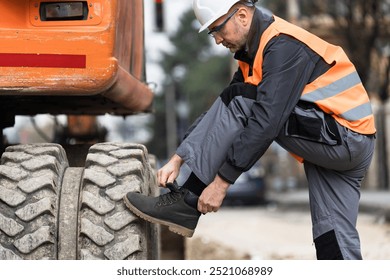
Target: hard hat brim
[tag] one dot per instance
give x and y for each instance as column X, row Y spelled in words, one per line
column 207, row 24
column 220, row 14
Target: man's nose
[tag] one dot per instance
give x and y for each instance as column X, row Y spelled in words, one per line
column 218, row 39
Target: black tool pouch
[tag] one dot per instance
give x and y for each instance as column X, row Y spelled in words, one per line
column 309, row 122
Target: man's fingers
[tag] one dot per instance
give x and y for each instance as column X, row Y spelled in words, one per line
column 200, row 207
column 206, row 208
column 162, row 178
column 171, row 178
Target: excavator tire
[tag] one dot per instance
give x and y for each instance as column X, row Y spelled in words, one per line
column 30, row 184
column 49, row 210
column 107, row 229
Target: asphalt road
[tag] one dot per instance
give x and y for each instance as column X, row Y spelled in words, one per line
column 273, row 234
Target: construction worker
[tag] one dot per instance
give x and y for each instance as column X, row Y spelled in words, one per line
column 290, row 87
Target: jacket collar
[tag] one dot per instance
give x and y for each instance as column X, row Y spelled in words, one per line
column 260, row 22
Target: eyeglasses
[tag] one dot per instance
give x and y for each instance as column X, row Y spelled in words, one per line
column 222, row 25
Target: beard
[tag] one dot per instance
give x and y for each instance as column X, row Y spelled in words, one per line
column 240, row 42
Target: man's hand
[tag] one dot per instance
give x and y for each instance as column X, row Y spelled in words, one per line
column 212, row 196
column 169, row 172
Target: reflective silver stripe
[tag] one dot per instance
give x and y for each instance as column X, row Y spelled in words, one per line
column 333, row 89
column 358, row 112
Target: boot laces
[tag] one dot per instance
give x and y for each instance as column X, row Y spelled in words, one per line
column 169, row 198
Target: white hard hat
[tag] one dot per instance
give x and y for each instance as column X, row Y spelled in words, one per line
column 208, row 11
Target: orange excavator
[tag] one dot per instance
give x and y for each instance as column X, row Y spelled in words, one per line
column 72, row 57
column 81, row 59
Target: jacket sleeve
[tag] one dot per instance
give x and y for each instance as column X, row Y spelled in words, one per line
column 237, row 77
column 287, row 67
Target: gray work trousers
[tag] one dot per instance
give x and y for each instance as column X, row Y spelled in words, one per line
column 334, row 172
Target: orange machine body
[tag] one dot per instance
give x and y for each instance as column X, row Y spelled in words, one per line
column 89, row 65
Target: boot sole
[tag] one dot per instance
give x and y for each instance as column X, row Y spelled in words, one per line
column 186, row 232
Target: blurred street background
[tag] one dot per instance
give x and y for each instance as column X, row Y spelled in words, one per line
column 188, row 71
column 281, row 230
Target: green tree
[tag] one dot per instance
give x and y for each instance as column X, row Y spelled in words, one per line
column 195, row 74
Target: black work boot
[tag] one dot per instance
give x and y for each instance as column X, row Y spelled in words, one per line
column 176, row 209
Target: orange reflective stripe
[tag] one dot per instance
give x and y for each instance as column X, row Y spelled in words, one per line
column 342, row 98
column 332, row 75
column 357, row 112
column 344, row 101
column 365, row 124
column 332, row 88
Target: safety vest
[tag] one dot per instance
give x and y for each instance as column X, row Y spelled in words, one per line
column 338, row 92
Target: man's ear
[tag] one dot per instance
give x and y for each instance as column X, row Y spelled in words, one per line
column 243, row 16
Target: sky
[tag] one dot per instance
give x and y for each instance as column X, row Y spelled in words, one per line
column 156, row 42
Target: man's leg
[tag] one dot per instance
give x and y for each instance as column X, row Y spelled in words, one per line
column 204, row 150
column 334, row 202
column 334, row 175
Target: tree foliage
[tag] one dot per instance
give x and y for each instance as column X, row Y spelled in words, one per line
column 196, row 74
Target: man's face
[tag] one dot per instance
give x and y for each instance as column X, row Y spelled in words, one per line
column 229, row 32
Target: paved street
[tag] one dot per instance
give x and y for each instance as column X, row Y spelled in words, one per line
column 274, row 233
